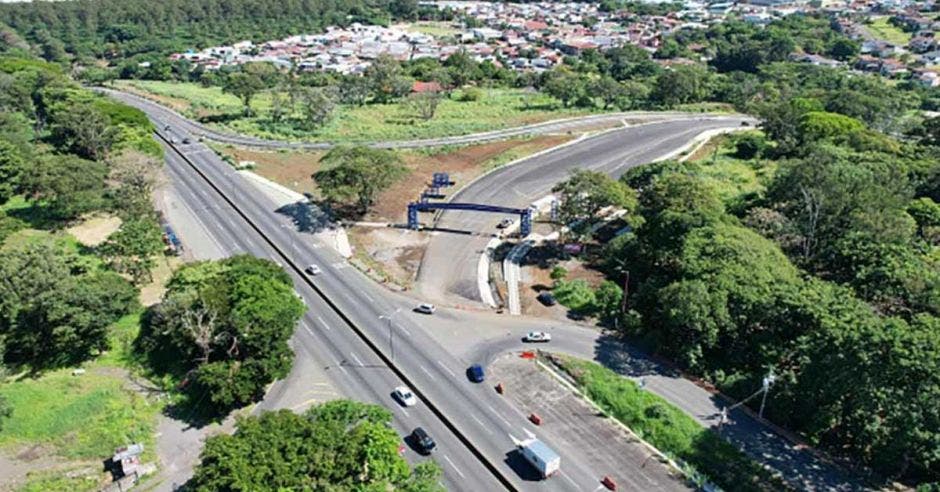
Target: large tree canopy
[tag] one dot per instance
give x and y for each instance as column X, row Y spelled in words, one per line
column 226, row 324
column 340, row 445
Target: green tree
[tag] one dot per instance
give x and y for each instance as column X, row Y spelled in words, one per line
column 69, row 185
column 586, row 193
column 608, row 90
column 342, row 445
column 11, row 167
column 317, row 105
column 387, row 79
column 682, row 85
column 132, row 248
column 357, row 174
column 244, row 86
column 51, row 316
column 227, row 323
column 425, row 103
column 85, row 131
column 565, row 85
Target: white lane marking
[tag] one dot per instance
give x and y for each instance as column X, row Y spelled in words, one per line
column 455, row 467
column 484, row 426
column 404, row 411
column 498, row 415
column 320, row 319
column 405, row 330
column 308, row 330
column 367, row 296
column 427, row 372
column 341, row 368
column 356, row 359
column 572, row 482
column 232, row 223
column 446, row 369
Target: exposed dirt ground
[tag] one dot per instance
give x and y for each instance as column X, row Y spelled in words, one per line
column 395, row 252
column 463, row 164
column 536, row 278
column 290, row 169
column 94, row 230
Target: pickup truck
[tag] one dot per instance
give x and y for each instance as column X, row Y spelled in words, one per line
column 540, row 456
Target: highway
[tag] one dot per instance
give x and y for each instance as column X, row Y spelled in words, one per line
column 466, row 412
column 343, row 331
column 193, row 128
column 449, row 268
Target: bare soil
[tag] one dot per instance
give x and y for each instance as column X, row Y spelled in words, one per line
column 397, row 253
column 462, row 164
column 95, row 230
column 290, row 169
column 151, row 293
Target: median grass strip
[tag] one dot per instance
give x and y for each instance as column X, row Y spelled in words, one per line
column 669, row 429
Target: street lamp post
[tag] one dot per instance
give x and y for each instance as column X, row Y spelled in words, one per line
column 391, row 332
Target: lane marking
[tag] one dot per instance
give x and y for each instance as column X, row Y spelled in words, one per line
column 320, row 319
column 455, row 467
column 356, row 359
column 572, row 482
column 308, row 330
column 427, row 372
column 446, row 369
column 404, row 411
column 498, row 415
column 484, row 426
column 405, row 330
column 367, row 296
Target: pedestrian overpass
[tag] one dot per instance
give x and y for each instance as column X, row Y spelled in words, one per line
column 525, row 214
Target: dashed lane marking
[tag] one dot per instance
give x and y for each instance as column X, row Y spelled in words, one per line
column 424, row 369
column 455, row 467
column 356, row 359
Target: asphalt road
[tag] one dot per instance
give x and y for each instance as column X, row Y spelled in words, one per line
column 475, row 410
column 556, row 126
column 449, row 268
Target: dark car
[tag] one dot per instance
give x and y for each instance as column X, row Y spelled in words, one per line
column 475, row 373
column 422, row 441
column 547, row 298
column 187, row 141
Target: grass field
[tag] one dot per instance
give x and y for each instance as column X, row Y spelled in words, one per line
column 498, row 108
column 668, row 428
column 433, row 28
column 883, row 29
column 731, row 177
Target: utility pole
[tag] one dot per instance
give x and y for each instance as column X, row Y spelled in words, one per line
column 391, row 332
column 766, row 383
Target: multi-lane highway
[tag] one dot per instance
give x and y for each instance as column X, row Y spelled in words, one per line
column 343, row 329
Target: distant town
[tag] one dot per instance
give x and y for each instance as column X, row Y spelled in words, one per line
column 537, row 36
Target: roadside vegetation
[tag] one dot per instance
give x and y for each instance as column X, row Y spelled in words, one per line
column 345, row 444
column 705, row 454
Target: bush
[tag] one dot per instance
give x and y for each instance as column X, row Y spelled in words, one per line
column 470, row 94
column 575, row 295
column 749, row 145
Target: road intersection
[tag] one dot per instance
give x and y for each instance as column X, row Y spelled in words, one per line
column 345, row 334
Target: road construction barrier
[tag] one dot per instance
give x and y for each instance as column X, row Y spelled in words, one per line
column 609, row 483
column 535, row 419
column 528, row 354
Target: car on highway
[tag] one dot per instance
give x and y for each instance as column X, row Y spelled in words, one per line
column 475, row 373
column 537, row 336
column 404, row 395
column 425, row 308
column 313, row 270
column 187, row 141
column 422, row 441
column 547, row 298
column 504, row 223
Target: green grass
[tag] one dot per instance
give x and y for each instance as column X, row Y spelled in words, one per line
column 432, row 28
column 669, row 429
column 498, row 108
column 883, row 29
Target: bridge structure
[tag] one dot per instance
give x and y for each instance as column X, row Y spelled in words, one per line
column 525, row 214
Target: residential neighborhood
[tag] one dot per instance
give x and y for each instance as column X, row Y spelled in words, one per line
column 537, row 36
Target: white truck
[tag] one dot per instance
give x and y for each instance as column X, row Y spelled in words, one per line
column 542, row 457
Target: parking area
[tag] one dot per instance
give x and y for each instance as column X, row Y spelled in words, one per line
column 595, row 439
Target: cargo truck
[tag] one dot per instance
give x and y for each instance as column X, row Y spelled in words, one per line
column 540, row 456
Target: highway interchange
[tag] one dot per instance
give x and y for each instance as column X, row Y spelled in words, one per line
column 345, row 329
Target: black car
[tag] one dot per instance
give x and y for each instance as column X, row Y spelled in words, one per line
column 547, row 298
column 422, row 441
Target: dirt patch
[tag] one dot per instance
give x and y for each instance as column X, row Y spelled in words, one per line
column 151, row 293
column 463, row 164
column 95, row 230
column 290, row 169
column 537, row 278
column 395, row 253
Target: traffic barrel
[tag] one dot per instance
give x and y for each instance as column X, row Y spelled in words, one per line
column 535, row 419
column 609, row 483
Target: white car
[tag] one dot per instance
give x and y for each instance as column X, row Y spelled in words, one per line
column 405, row 396
column 313, row 270
column 425, row 308
column 537, row 336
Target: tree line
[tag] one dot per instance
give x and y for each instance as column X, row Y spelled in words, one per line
column 827, row 277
